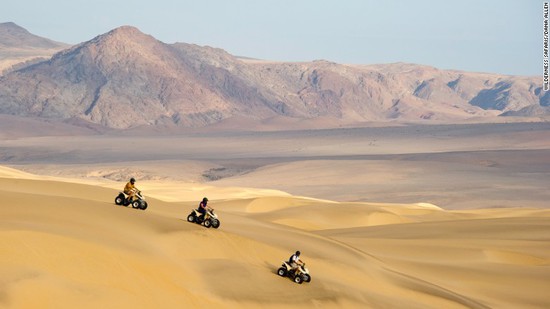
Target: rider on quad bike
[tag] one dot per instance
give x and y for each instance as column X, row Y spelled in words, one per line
column 204, row 215
column 130, row 189
column 203, row 207
column 131, row 196
column 295, row 268
column 295, row 262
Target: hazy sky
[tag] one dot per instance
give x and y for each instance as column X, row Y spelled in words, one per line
column 501, row 36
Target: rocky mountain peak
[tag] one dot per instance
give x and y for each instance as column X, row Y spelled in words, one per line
column 125, row 78
column 124, row 34
column 12, row 35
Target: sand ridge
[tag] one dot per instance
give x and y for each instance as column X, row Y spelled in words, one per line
column 67, row 245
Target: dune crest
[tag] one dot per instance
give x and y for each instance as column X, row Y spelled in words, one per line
column 509, row 257
column 66, row 245
column 7, row 172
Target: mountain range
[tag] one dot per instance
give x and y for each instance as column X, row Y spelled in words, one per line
column 126, row 79
column 20, row 48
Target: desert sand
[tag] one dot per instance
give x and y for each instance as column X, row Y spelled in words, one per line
column 64, row 244
column 411, row 217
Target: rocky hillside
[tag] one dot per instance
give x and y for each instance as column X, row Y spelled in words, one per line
column 19, row 48
column 125, row 78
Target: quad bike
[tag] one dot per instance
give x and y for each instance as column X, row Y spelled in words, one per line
column 209, row 220
column 299, row 276
column 138, row 202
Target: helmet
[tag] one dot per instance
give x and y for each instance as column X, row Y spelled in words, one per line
column 205, row 199
column 298, row 253
column 132, row 179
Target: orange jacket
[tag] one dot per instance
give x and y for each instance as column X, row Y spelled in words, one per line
column 129, row 187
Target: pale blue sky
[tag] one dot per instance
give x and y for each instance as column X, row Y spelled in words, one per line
column 485, row 35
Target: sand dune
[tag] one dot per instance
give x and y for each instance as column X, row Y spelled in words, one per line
column 65, row 245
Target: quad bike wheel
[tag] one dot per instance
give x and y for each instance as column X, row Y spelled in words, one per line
column 307, row 278
column 143, row 205
column 215, row 223
column 136, row 204
column 208, row 223
column 191, row 218
column 281, row 272
column 298, row 279
column 119, row 200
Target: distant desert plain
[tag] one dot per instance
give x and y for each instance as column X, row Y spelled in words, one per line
column 404, row 216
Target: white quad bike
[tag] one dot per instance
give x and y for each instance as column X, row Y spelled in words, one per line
column 137, row 203
column 209, row 220
column 302, row 275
